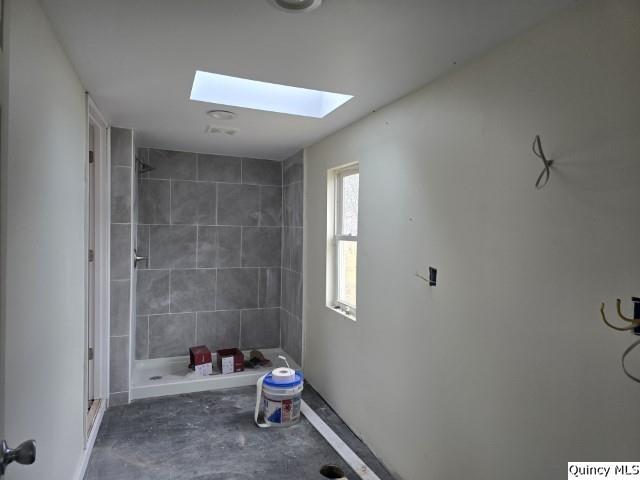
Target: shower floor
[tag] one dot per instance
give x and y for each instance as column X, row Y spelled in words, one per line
column 211, row 436
column 171, row 376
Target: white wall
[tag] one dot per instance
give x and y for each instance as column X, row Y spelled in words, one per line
column 504, row 370
column 3, row 203
column 45, row 197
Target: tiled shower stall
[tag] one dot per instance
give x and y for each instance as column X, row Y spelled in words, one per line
column 122, row 273
column 211, row 227
column 222, row 237
column 291, row 300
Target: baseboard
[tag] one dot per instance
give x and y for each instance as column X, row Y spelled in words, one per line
column 81, row 469
column 339, row 445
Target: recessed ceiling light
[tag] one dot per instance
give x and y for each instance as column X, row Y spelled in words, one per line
column 221, row 114
column 271, row 97
column 296, row 6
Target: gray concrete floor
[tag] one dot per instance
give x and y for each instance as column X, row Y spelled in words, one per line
column 211, row 436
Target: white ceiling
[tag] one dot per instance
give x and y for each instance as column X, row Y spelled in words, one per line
column 138, row 59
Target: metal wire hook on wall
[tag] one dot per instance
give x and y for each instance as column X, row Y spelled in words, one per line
column 546, row 172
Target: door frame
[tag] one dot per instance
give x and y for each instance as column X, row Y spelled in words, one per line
column 102, row 173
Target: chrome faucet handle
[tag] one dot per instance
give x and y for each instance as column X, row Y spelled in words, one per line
column 138, row 258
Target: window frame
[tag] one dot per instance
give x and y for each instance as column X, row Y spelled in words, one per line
column 338, row 236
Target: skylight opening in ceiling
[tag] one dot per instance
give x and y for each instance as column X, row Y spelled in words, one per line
column 270, row 97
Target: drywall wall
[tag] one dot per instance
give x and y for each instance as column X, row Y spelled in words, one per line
column 45, row 259
column 504, row 370
column 3, row 212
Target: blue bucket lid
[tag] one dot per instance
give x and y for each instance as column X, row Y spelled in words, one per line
column 268, row 381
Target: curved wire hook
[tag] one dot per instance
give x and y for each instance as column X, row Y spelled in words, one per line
column 539, row 152
column 634, row 323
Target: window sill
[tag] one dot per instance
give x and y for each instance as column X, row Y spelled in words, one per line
column 342, row 313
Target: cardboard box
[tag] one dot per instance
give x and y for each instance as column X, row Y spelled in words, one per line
column 230, row 360
column 200, row 360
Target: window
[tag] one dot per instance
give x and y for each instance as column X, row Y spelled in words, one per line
column 343, row 255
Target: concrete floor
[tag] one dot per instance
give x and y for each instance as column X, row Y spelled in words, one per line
column 211, row 436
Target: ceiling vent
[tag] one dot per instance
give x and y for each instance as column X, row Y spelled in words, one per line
column 296, row 6
column 215, row 129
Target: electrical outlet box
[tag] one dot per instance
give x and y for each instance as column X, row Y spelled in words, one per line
column 636, row 312
column 433, row 276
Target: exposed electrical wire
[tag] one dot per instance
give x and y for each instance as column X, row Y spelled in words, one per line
column 624, row 359
column 634, row 323
column 546, row 172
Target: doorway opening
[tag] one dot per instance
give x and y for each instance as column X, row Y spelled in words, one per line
column 97, row 286
column 92, row 402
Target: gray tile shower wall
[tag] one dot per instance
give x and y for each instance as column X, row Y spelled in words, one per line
column 291, row 287
column 211, row 226
column 121, row 214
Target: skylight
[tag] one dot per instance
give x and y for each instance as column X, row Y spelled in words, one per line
column 271, row 97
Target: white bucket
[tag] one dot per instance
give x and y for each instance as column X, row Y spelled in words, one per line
column 278, row 396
